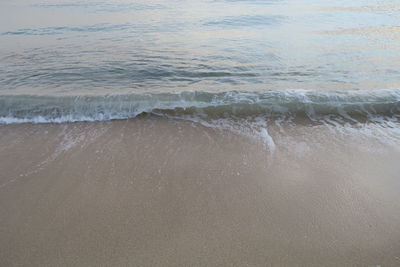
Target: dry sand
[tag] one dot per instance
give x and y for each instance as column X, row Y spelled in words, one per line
column 159, row 192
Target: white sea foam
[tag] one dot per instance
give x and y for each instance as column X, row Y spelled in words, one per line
column 314, row 105
column 267, row 139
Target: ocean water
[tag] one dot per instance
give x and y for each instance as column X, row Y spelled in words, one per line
column 240, row 61
column 199, row 132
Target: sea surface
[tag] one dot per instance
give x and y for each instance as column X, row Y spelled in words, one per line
column 63, row 61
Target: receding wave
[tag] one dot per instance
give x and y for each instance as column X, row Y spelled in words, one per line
column 349, row 105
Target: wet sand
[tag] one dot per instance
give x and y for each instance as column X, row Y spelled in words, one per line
column 159, row 192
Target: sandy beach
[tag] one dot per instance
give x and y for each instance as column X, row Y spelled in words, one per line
column 199, row 133
column 160, row 192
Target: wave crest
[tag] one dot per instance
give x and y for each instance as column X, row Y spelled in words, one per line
column 294, row 103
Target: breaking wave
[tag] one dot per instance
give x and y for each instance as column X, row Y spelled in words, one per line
column 353, row 105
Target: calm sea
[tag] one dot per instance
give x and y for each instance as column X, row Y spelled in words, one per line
column 95, row 60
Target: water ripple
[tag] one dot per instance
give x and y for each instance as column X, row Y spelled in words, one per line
column 95, row 7
column 246, row 21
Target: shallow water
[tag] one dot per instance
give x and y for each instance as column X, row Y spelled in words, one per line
column 303, row 56
column 120, row 47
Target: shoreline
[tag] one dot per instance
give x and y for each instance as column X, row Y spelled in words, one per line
column 157, row 191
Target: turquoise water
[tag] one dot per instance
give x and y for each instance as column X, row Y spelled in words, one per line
column 55, row 51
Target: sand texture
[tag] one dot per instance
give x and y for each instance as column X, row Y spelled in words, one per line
column 159, row 192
